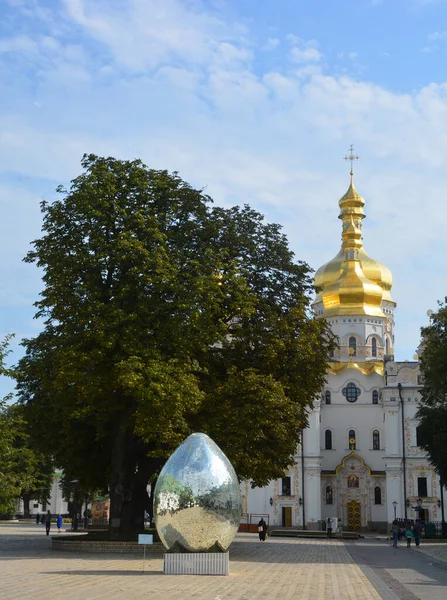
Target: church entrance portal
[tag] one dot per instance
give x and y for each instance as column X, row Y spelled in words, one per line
column 354, row 521
column 287, row 516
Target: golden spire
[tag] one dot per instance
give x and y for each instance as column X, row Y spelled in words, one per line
column 352, row 282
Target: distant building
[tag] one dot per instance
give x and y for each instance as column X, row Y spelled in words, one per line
column 56, row 504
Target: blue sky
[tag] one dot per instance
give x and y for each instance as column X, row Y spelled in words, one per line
column 255, row 100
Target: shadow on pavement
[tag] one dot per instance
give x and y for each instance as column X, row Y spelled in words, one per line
column 104, row 573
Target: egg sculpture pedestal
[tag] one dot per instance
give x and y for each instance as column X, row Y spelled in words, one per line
column 197, row 507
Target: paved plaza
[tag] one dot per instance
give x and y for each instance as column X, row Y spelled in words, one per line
column 277, row 569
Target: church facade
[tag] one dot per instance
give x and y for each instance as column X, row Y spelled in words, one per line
column 359, row 459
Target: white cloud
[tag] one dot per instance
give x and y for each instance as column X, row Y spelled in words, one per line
column 303, row 51
column 272, row 43
column 20, row 44
column 146, row 33
column 437, row 36
column 305, row 55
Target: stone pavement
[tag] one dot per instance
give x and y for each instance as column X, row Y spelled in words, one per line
column 286, row 569
column 277, row 569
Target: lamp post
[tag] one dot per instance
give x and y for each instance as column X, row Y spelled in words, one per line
column 87, row 497
column 441, row 485
column 395, row 508
column 419, row 507
column 404, row 468
column 74, row 483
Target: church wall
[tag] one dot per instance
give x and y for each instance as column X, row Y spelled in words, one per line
column 256, row 501
column 362, row 416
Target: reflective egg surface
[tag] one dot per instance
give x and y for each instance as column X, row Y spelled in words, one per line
column 197, row 500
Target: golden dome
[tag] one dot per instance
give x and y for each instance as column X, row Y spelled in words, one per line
column 352, row 282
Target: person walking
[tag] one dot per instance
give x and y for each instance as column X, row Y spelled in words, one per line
column 339, row 530
column 329, row 528
column 262, row 529
column 59, row 523
column 48, row 522
column 417, row 530
column 409, row 535
column 395, row 533
column 37, row 519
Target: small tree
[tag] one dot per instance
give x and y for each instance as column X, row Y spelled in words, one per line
column 23, row 470
column 164, row 316
column 432, row 412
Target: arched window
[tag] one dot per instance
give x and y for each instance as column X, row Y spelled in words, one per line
column 351, row 439
column 329, row 495
column 374, row 347
column 418, row 436
column 387, row 346
column 328, row 439
column 286, row 486
column 375, row 397
column 327, row 397
column 376, row 440
column 377, row 495
column 352, row 346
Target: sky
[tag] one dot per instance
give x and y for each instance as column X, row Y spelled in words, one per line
column 255, row 101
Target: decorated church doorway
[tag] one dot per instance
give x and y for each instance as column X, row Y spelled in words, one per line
column 354, row 520
column 287, row 516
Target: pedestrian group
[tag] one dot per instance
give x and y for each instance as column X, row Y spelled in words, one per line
column 409, row 531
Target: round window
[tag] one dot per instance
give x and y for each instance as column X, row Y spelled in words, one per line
column 351, row 392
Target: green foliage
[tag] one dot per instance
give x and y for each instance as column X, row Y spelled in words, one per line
column 9, row 486
column 23, row 470
column 164, row 316
column 432, row 412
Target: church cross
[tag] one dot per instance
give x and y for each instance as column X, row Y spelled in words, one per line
column 351, row 157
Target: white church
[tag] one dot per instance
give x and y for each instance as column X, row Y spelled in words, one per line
column 359, row 459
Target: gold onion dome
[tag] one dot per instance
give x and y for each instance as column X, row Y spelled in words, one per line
column 353, row 283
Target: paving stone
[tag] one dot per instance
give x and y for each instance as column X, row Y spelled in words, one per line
column 278, row 568
column 281, row 568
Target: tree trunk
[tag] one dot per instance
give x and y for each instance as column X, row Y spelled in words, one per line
column 118, row 479
column 26, row 499
column 130, row 473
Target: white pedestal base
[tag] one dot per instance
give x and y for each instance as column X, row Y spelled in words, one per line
column 197, row 563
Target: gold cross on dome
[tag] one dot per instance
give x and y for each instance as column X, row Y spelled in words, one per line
column 351, row 157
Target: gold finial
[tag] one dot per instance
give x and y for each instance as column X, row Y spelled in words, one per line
column 351, row 157
column 352, row 443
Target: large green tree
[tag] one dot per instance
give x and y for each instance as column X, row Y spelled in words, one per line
column 162, row 316
column 432, row 412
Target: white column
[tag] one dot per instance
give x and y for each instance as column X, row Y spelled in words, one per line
column 393, row 432
column 312, row 495
column 394, row 490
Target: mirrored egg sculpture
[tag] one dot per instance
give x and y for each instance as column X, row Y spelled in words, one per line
column 197, row 500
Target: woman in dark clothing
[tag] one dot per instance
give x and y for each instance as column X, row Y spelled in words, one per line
column 262, row 529
column 48, row 522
